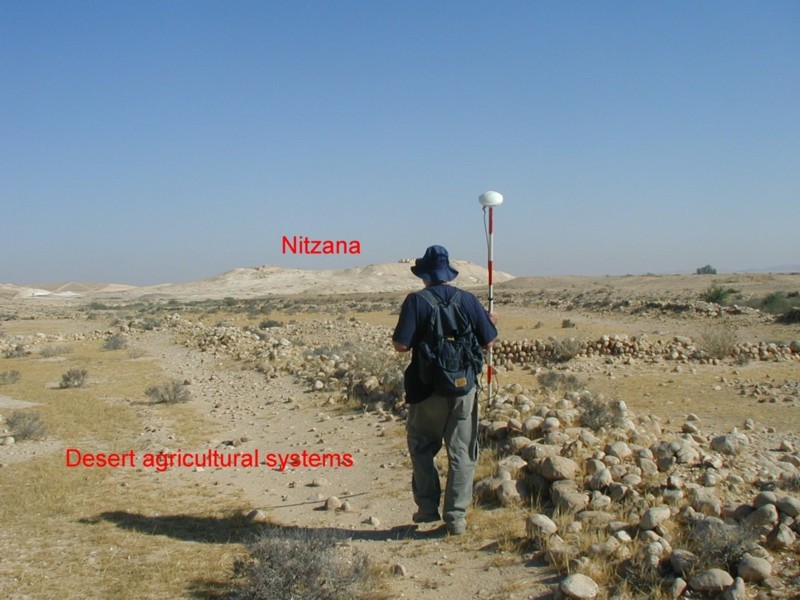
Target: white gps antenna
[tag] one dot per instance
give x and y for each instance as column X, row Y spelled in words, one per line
column 489, row 200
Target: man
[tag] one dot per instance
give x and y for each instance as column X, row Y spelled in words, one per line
column 433, row 418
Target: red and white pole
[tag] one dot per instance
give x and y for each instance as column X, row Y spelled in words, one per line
column 490, row 200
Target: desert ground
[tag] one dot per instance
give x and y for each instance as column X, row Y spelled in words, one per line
column 651, row 420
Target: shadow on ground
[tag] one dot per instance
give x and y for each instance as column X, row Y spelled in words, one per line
column 236, row 529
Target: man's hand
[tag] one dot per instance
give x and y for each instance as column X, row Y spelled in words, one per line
column 492, row 317
column 400, row 347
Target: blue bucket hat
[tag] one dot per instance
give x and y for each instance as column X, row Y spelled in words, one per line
column 434, row 266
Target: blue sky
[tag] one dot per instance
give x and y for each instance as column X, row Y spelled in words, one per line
column 151, row 142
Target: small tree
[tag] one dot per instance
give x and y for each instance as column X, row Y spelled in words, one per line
column 707, row 270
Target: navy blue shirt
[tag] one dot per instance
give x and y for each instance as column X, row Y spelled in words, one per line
column 413, row 323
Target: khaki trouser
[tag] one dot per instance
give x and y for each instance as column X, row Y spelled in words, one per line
column 453, row 421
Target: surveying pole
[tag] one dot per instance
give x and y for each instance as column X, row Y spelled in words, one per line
column 489, row 200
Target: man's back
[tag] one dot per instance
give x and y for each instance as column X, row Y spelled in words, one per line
column 412, row 325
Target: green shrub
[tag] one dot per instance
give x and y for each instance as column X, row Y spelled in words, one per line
column 775, row 303
column 173, row 392
column 717, row 294
column 74, row 378
column 99, row 306
column 707, row 270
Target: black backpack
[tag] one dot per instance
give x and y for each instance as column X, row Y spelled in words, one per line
column 449, row 354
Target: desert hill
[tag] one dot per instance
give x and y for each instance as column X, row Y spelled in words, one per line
column 261, row 281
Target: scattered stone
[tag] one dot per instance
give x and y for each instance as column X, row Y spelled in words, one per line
column 737, row 591
column 510, row 492
column 258, row 515
column 601, row 479
column 333, row 503
column 782, row 537
column 683, row 561
column 789, row 506
column 764, row 517
column 704, row 501
column 753, row 568
column 619, row 449
column 513, row 464
column 551, row 424
column 653, row 517
column 555, row 468
column 678, row 587
column 730, row 443
column 764, row 498
column 711, row 581
column 540, row 526
column 579, row 586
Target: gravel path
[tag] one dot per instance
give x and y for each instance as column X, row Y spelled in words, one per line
column 279, row 416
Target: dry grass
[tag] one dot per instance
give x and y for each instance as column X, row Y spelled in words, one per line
column 114, row 533
column 26, row 426
column 302, row 563
column 488, row 458
column 719, row 341
column 500, row 529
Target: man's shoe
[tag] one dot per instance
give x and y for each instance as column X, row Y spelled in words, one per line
column 457, row 528
column 425, row 517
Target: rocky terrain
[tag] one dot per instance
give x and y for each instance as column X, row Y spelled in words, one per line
column 639, row 440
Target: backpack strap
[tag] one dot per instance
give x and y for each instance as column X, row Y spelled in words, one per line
column 439, row 306
column 435, row 301
column 430, row 297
